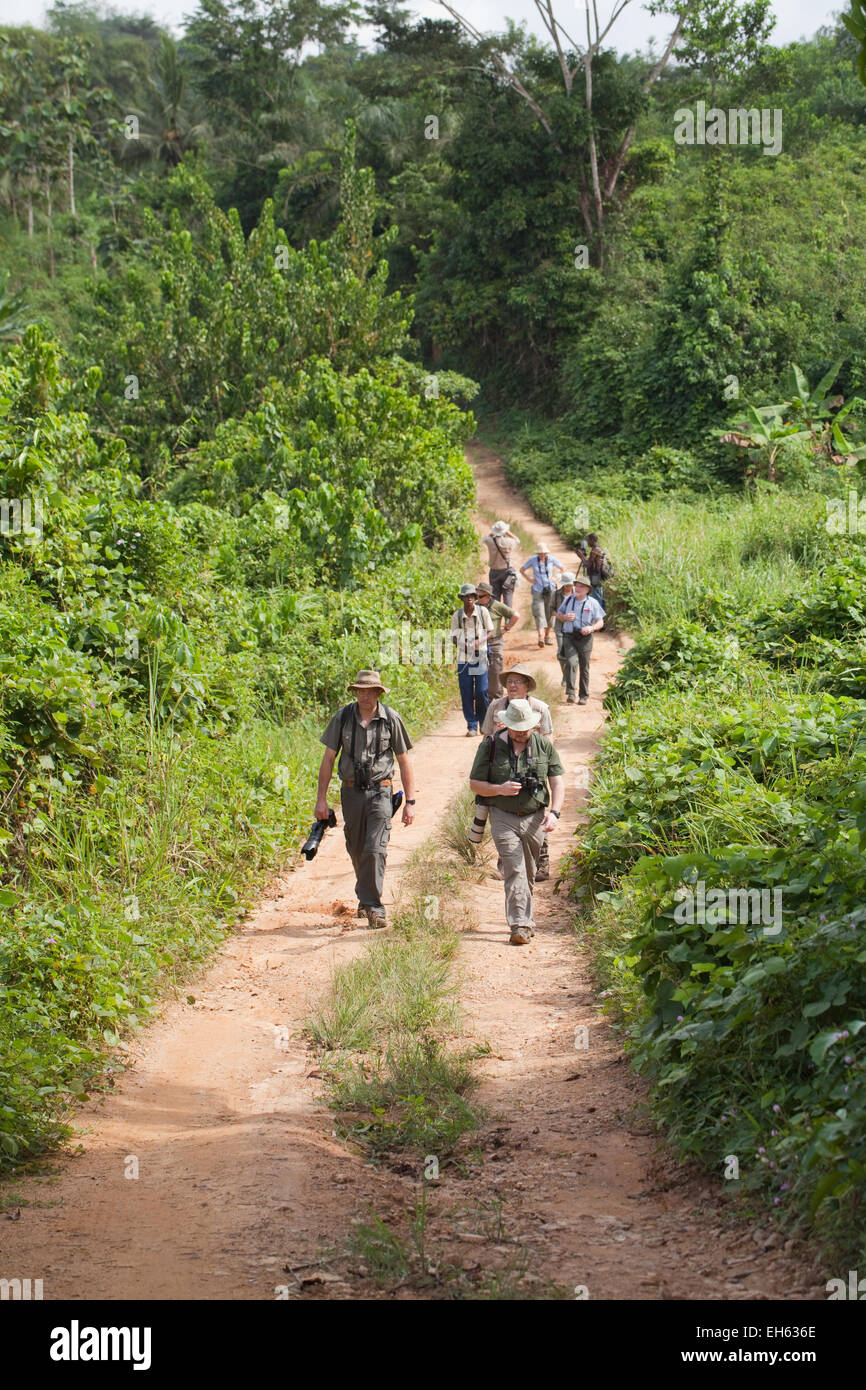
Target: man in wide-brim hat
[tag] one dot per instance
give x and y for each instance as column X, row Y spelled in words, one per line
column 512, row 771
column 502, row 545
column 519, row 684
column 580, row 616
column 471, row 628
column 368, row 735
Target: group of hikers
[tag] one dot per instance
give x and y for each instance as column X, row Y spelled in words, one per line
column 566, row 604
column 516, row 775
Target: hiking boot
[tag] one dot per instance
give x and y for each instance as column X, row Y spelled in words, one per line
column 362, row 911
column 584, row 699
column 520, row 936
column 376, row 918
column 571, row 700
column 541, row 641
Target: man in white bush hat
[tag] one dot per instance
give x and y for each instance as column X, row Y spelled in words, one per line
column 580, row 616
column 519, row 684
column 501, row 544
column 511, row 771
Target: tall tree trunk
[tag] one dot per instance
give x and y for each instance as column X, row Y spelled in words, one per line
column 49, row 217
column 593, row 162
column 70, row 157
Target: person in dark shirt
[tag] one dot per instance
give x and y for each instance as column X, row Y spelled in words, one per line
column 368, row 737
column 511, row 771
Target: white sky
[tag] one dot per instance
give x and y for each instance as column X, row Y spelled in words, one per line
column 794, row 18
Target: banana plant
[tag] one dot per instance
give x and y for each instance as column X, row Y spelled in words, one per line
column 823, row 415
column 765, row 433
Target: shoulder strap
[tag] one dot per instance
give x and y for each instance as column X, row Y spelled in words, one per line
column 391, row 716
column 492, row 738
column 499, row 548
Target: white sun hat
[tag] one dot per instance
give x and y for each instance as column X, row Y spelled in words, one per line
column 520, row 716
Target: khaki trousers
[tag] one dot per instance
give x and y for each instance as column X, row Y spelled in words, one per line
column 518, row 840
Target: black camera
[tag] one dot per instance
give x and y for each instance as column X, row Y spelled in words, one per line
column 363, row 780
column 311, row 846
column 529, row 782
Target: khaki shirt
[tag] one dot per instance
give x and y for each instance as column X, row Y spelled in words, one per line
column 507, row 545
column 496, row 707
column 360, row 743
column 547, row 764
column 472, row 631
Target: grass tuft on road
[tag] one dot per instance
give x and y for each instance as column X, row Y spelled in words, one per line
column 388, row 1029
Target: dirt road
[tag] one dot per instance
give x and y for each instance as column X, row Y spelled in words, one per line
column 212, row 1171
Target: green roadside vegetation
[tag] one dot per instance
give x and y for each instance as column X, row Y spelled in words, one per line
column 181, row 605
column 238, row 472
column 734, row 759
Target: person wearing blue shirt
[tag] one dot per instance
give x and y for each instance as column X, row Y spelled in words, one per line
column 539, row 568
column 580, row 616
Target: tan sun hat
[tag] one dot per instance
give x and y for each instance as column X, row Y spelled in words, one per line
column 523, row 671
column 499, row 528
column 484, row 588
column 368, row 680
column 582, row 579
column 520, row 716
column 566, row 577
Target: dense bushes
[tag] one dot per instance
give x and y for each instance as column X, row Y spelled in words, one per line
column 723, row 871
column 174, row 634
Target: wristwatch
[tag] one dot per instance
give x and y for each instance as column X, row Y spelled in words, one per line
column 555, row 813
column 410, row 803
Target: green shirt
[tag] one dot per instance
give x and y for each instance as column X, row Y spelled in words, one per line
column 498, row 611
column 544, row 756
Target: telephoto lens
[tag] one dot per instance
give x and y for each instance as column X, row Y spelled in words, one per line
column 476, row 830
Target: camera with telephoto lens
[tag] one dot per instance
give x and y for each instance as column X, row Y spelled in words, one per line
column 310, row 848
column 476, row 829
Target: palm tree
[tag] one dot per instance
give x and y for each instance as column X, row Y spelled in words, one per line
column 170, row 127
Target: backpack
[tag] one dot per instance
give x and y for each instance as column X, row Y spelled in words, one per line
column 598, row 566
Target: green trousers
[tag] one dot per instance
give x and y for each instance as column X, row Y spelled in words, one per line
column 367, row 828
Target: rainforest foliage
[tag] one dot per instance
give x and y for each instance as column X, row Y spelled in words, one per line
column 253, row 274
